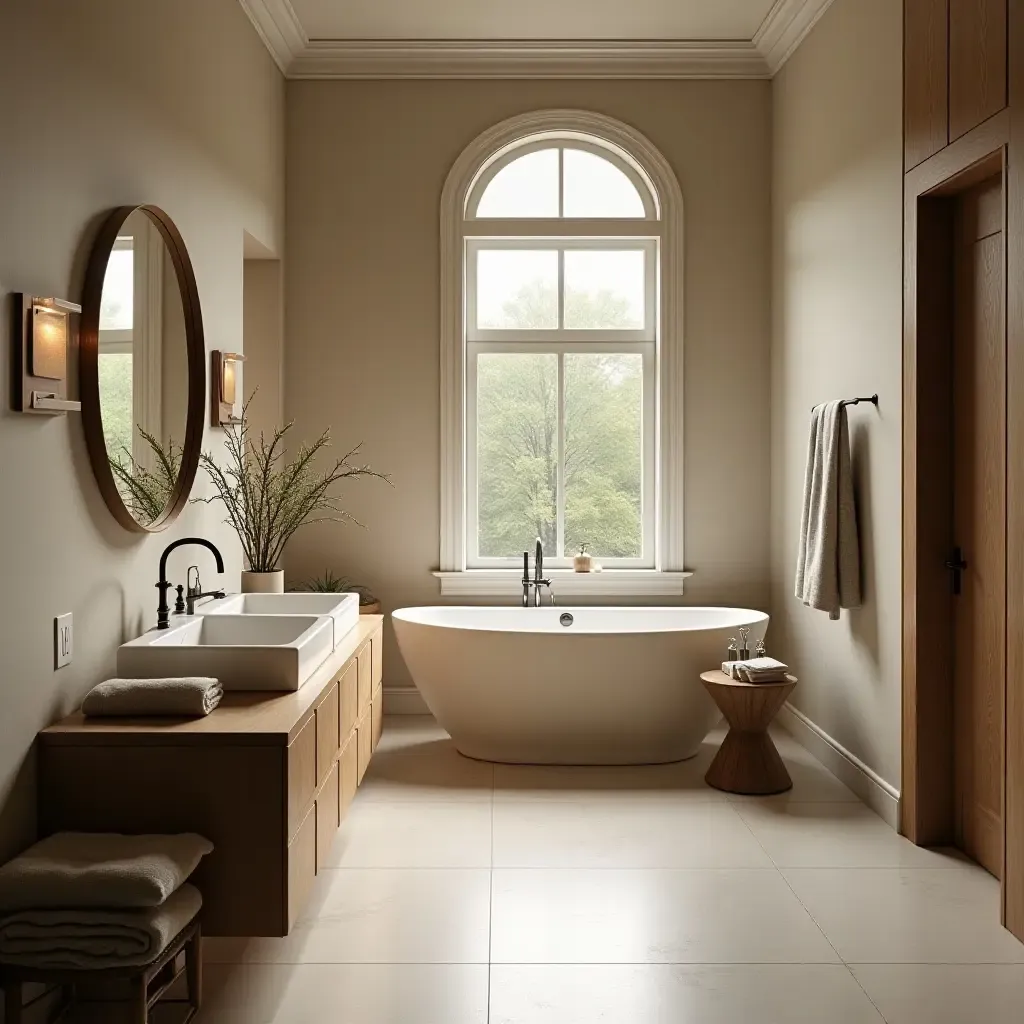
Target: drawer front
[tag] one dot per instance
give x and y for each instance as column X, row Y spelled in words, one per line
column 328, row 815
column 376, row 718
column 328, row 735
column 349, row 687
column 302, row 774
column 365, row 661
column 377, row 658
column 364, row 738
column 349, row 766
column 301, row 866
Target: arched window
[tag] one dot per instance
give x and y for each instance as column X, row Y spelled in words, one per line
column 560, row 353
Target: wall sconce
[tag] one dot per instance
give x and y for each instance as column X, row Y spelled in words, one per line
column 41, row 354
column 225, row 390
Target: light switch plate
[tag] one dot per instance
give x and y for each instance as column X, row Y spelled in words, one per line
column 63, row 640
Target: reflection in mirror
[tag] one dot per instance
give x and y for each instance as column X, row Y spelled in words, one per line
column 142, row 368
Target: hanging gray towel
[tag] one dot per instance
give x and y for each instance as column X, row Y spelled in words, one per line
column 828, row 560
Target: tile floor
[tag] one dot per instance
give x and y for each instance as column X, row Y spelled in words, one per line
column 461, row 893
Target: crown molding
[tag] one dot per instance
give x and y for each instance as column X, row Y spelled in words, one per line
column 784, row 29
column 526, row 59
column 279, row 27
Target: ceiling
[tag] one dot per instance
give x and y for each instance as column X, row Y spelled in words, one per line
column 531, row 19
column 532, row 38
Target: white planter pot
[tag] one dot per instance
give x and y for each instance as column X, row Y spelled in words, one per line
column 263, row 582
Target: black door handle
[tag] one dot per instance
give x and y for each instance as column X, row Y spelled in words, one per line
column 956, row 566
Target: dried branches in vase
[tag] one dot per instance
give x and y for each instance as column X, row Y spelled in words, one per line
column 268, row 497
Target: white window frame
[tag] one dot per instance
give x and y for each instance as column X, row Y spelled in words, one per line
column 659, row 233
column 143, row 341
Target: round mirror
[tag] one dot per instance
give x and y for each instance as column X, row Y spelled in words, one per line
column 143, row 367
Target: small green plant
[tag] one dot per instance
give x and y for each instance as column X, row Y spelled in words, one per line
column 268, row 497
column 328, row 583
column 146, row 492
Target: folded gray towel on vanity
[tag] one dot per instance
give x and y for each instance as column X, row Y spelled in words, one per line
column 84, row 869
column 95, row 939
column 190, row 697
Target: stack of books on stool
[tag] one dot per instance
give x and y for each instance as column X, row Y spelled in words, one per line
column 756, row 670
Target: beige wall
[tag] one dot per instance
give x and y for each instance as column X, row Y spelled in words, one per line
column 263, row 329
column 366, row 164
column 107, row 103
column 837, row 215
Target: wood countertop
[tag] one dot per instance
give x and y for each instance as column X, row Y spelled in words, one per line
column 244, row 717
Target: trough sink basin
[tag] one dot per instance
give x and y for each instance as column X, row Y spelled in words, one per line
column 342, row 609
column 245, row 652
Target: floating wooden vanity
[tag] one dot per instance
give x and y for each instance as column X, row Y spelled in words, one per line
column 266, row 778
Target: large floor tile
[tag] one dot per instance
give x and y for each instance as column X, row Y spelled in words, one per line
column 945, row 993
column 386, row 915
column 345, row 994
column 812, row 781
column 684, row 779
column 414, row 834
column 899, row 915
column 650, row 916
column 660, row 994
column 827, row 835
column 417, row 760
column 593, row 831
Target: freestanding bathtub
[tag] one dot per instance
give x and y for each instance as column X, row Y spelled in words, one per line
column 570, row 685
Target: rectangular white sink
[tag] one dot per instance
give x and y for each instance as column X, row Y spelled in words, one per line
column 343, row 609
column 245, row 652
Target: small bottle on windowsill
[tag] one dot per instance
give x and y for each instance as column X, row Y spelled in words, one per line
column 582, row 562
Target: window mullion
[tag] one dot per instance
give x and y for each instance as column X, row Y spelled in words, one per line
column 561, row 289
column 560, row 476
column 561, row 181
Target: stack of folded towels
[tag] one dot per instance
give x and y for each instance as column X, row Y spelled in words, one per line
column 92, row 901
column 756, row 670
column 190, row 697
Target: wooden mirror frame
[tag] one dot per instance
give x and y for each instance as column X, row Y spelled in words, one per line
column 88, row 367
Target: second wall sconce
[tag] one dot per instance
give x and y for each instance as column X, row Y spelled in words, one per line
column 41, row 346
column 224, row 389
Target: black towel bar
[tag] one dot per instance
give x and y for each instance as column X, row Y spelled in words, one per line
column 856, row 401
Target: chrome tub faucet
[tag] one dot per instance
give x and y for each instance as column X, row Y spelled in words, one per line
column 538, row 580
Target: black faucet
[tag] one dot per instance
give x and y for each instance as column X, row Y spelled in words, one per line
column 163, row 612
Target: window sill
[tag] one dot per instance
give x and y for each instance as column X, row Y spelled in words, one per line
column 565, row 582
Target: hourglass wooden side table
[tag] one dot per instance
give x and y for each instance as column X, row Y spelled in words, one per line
column 747, row 761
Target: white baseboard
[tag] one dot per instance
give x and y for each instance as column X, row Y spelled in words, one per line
column 878, row 794
column 404, row 700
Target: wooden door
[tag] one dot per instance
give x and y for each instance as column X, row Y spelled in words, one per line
column 979, row 515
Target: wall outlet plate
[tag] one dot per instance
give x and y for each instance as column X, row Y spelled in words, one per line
column 63, row 640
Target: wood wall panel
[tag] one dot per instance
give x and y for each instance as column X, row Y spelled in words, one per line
column 1013, row 815
column 977, row 62
column 925, row 69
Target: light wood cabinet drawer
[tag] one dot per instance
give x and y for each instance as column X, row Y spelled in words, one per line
column 377, row 658
column 364, row 737
column 301, row 866
column 376, row 718
column 328, row 734
column 365, row 661
column 328, row 815
column 302, row 774
column 349, row 768
column 349, row 693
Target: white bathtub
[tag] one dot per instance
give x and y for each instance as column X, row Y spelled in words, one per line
column 617, row 686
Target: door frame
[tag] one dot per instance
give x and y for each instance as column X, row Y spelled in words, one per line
column 926, row 799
